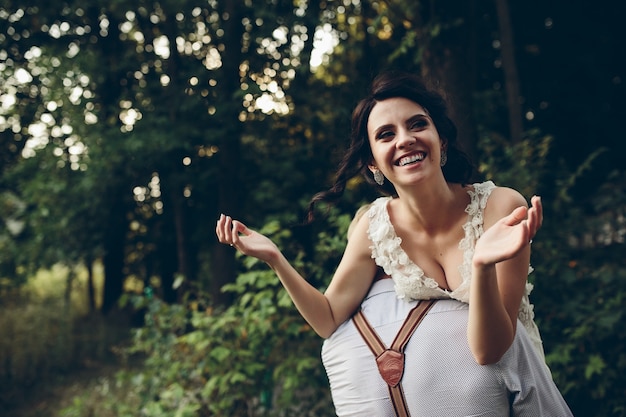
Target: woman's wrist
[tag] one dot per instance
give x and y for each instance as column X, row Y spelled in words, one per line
column 274, row 259
column 481, row 265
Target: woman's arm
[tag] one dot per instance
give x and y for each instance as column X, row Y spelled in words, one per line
column 324, row 312
column 499, row 272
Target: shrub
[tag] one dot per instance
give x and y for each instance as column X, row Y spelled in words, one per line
column 256, row 357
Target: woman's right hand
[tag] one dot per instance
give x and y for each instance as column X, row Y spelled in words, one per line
column 245, row 240
column 510, row 235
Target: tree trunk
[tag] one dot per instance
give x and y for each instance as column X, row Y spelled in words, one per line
column 69, row 285
column 182, row 238
column 167, row 245
column 448, row 62
column 175, row 176
column 228, row 182
column 113, row 260
column 116, row 224
column 91, row 288
column 511, row 77
column 176, row 253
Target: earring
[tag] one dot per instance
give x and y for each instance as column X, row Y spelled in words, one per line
column 444, row 158
column 379, row 177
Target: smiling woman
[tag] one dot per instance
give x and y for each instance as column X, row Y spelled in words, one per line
column 405, row 141
column 434, row 236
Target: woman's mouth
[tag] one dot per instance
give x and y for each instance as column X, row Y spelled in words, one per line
column 411, row 159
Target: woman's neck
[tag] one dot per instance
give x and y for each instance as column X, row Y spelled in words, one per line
column 431, row 209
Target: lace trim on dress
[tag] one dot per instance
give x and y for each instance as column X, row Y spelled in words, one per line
column 473, row 230
column 474, row 226
column 409, row 279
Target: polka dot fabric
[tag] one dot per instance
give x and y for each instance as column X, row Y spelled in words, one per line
column 441, row 377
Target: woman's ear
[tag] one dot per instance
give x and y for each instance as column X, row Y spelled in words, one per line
column 444, row 143
column 371, row 165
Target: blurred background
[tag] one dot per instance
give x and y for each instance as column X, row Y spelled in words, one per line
column 127, row 127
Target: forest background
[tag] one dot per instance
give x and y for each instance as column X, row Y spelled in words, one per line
column 127, row 127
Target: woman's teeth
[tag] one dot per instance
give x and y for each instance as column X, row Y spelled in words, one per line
column 411, row 159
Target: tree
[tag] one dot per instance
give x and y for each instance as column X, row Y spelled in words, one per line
column 126, row 128
column 150, row 94
column 509, row 66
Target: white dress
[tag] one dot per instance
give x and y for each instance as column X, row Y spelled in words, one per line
column 441, row 376
column 412, row 284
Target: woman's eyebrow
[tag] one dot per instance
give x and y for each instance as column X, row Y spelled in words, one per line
column 382, row 128
column 419, row 116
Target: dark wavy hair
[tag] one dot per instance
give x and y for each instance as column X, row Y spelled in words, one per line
column 394, row 84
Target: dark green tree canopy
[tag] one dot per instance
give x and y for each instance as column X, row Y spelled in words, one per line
column 126, row 128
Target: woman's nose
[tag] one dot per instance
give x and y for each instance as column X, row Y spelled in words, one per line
column 405, row 138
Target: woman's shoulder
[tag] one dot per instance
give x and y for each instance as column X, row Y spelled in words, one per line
column 507, row 197
column 502, row 201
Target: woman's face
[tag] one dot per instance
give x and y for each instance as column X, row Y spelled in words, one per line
column 404, row 141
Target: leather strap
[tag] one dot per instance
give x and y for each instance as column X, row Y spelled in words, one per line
column 390, row 360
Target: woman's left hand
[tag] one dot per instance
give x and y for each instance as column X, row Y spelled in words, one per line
column 506, row 238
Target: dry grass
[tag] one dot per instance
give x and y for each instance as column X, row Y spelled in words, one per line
column 52, row 350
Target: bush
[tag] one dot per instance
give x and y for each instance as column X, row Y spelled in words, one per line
column 255, row 358
column 45, row 334
column 580, row 276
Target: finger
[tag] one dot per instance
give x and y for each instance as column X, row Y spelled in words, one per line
column 539, row 206
column 532, row 221
column 219, row 228
column 535, row 216
column 516, row 216
column 237, row 229
column 228, row 225
column 527, row 234
column 241, row 228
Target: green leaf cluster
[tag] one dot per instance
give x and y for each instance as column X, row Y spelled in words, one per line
column 579, row 275
column 255, row 357
column 129, row 199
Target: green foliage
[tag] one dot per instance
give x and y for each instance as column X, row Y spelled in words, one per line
column 579, row 277
column 256, row 357
column 521, row 166
column 583, row 253
column 45, row 333
column 586, row 346
column 94, row 64
column 36, row 341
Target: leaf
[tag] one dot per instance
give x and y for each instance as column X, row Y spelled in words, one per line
column 595, row 366
column 220, row 353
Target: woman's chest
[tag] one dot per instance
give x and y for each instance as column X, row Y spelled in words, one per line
column 438, row 256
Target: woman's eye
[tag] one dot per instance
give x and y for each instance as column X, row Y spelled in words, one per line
column 419, row 124
column 385, row 134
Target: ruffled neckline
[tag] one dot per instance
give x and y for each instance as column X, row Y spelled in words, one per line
column 410, row 280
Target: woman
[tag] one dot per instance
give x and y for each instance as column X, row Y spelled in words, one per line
column 441, row 376
column 434, row 235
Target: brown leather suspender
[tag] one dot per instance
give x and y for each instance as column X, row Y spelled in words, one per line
column 390, row 360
